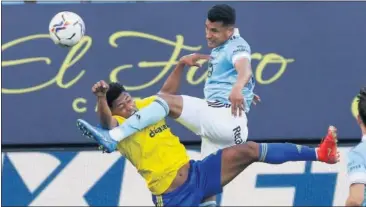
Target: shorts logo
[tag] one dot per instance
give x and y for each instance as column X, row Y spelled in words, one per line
column 237, row 135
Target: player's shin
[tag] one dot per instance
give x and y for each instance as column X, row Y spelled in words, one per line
column 149, row 115
column 278, row 153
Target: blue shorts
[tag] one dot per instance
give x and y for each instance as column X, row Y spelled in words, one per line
column 204, row 180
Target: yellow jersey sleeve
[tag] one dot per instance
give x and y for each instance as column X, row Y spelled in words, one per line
column 141, row 103
column 119, row 119
column 155, row 151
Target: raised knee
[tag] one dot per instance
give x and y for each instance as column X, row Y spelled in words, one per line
column 174, row 102
column 165, row 97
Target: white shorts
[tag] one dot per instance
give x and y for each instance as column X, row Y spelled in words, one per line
column 217, row 126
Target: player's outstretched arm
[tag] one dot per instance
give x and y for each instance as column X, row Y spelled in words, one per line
column 172, row 83
column 105, row 115
column 239, row 55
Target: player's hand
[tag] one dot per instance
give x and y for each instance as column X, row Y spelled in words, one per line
column 192, row 59
column 256, row 99
column 237, row 101
column 100, row 88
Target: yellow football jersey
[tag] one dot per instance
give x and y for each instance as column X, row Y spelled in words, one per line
column 155, row 151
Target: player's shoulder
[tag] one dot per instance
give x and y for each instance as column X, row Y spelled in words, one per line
column 358, row 152
column 144, row 101
column 238, row 44
column 119, row 119
column 360, row 147
column 238, row 41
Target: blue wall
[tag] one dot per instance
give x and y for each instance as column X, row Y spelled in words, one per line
column 321, row 47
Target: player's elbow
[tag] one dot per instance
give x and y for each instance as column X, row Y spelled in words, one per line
column 355, row 201
column 106, row 126
column 248, row 73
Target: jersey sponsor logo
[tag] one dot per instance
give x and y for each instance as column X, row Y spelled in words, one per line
column 237, row 135
column 157, row 130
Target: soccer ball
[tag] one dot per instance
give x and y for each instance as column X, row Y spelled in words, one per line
column 66, row 29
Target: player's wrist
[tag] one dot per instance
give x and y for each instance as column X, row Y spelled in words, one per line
column 237, row 87
column 181, row 63
column 101, row 96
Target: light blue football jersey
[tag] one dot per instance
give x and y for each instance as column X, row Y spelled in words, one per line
column 221, row 72
column 356, row 166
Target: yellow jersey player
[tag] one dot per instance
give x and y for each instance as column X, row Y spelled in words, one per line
column 151, row 149
column 162, row 160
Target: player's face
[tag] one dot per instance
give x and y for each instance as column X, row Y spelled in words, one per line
column 217, row 33
column 123, row 106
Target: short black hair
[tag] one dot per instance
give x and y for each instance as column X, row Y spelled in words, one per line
column 222, row 13
column 362, row 105
column 115, row 89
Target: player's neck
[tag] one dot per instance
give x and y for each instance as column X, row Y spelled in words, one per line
column 234, row 34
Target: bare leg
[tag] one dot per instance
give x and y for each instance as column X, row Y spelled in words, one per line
column 175, row 103
column 235, row 159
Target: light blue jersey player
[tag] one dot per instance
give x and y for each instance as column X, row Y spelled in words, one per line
column 221, row 119
column 222, row 75
column 357, row 160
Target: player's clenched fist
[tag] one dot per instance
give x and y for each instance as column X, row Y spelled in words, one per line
column 100, row 88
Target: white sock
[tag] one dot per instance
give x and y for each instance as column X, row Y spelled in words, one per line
column 116, row 134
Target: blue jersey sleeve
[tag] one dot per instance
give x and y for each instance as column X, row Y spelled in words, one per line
column 236, row 49
column 356, row 168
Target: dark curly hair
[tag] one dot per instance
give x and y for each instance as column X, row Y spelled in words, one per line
column 115, row 89
column 222, row 13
